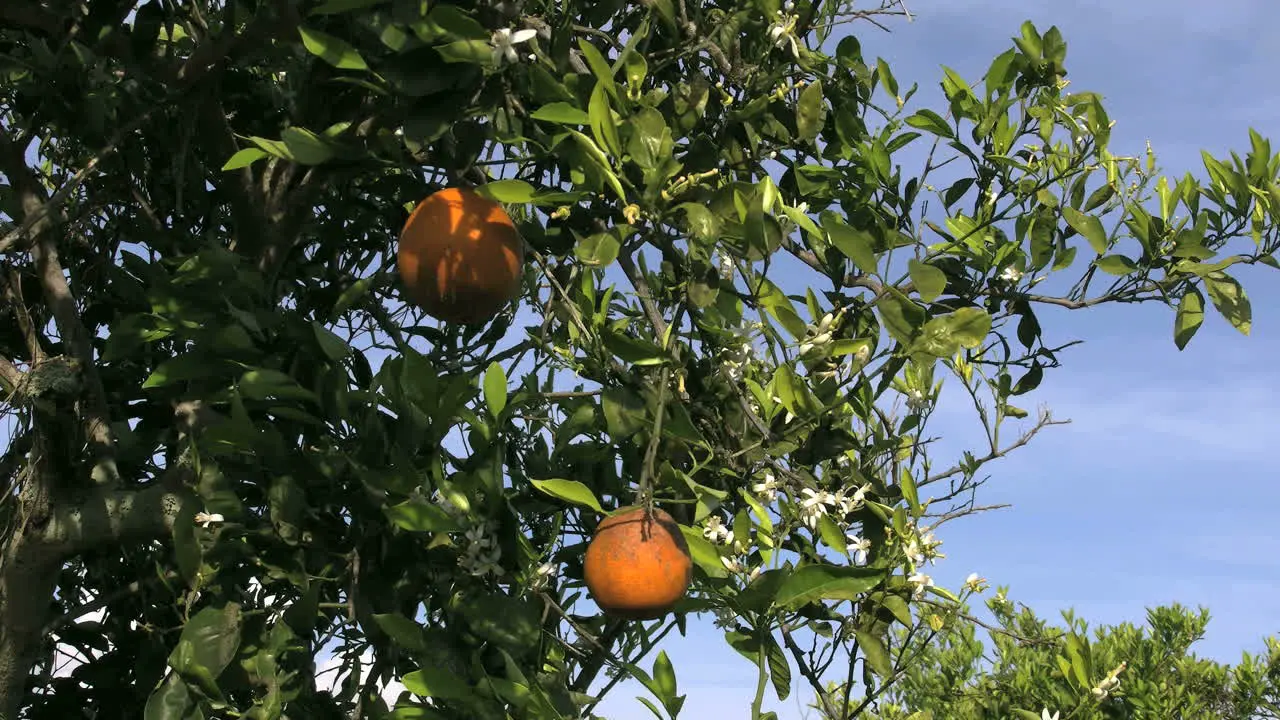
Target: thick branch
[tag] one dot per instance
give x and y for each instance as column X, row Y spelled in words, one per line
column 57, row 293
column 112, row 518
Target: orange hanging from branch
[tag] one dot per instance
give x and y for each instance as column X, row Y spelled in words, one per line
column 637, row 565
column 460, row 257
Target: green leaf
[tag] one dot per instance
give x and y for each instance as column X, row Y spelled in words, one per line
column 1116, row 265
column 1189, row 318
column 263, row 383
column 244, row 158
column 474, row 52
column 602, row 163
column 421, row 516
column 703, row 553
column 570, row 491
column 907, row 483
column 406, row 632
column 173, row 700
column 928, row 280
column 437, row 682
column 1229, row 298
column 898, row 607
column 812, row 583
column 1088, row 226
column 853, row 244
column 970, row 325
column 190, row 366
column 509, row 622
column 495, row 388
column 599, row 250
column 599, row 66
column 811, row 112
column 335, row 51
column 831, row 534
column 779, row 667
column 334, row 347
column 931, row 122
column 650, row 143
column 207, row 646
column 874, row 653
column 304, row 147
column 562, row 113
column 603, row 127
column 511, row 191
column 900, row 315
column 624, row 412
column 664, row 679
column 887, row 81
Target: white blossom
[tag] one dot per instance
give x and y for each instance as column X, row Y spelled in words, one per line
column 504, row 43
column 920, row 583
column 542, row 576
column 716, row 532
column 204, row 519
column 975, row 582
column 1011, row 274
column 858, row 547
column 917, row 400
column 814, row 506
column 783, row 33
column 1044, row 715
column 767, row 488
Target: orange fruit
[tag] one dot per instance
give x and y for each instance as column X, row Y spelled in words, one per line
column 638, row 566
column 460, row 257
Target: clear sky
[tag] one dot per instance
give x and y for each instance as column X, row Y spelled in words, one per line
column 1161, row 490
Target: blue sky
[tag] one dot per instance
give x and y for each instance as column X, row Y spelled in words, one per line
column 1161, row 489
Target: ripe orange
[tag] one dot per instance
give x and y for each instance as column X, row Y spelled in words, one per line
column 637, row 567
column 460, row 257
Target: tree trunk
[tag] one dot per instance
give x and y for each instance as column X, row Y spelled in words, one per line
column 28, row 575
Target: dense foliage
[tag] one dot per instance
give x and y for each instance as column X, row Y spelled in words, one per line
column 235, row 444
column 1121, row 671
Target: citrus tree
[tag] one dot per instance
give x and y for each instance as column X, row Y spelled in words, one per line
column 976, row 669
column 261, row 420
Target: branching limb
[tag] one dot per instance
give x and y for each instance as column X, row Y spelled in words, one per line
column 1045, row 420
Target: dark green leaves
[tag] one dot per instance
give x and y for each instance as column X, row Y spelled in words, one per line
column 812, row 583
column 207, row 646
column 421, row 516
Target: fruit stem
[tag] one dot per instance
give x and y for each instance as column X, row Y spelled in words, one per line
column 644, row 494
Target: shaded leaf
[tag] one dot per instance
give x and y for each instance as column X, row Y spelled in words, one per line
column 335, row 51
